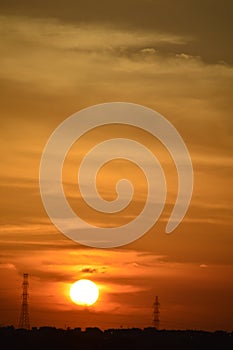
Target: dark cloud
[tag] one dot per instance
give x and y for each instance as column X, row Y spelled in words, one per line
column 54, row 276
column 208, row 22
column 89, row 270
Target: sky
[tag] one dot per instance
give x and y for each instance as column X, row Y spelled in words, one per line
column 175, row 57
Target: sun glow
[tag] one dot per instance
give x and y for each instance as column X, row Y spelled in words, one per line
column 84, row 292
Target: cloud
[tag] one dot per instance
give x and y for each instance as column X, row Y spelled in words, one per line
column 186, row 56
column 153, row 16
column 203, row 266
column 7, row 266
column 89, row 270
column 148, row 50
column 84, row 37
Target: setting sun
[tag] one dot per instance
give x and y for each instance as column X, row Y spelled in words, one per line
column 84, row 292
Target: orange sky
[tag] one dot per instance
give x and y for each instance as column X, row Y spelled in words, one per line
column 56, row 61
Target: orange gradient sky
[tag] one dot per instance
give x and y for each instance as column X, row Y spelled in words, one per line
column 173, row 57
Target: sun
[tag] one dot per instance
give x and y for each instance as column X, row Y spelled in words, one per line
column 84, row 292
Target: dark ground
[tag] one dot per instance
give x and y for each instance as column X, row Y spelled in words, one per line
column 93, row 338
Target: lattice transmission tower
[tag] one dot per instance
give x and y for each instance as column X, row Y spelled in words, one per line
column 24, row 314
column 156, row 312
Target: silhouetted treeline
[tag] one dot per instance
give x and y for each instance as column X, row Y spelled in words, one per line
column 44, row 338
